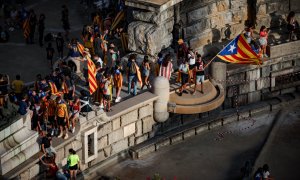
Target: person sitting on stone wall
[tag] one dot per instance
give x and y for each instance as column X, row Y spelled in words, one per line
column 46, row 145
column 263, row 40
column 292, row 26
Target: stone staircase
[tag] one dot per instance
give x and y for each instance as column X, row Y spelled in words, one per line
column 17, row 144
column 212, row 98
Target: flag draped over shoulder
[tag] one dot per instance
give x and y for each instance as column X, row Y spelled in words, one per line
column 92, row 75
column 239, row 51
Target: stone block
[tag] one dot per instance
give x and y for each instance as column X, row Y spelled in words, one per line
column 139, row 128
column 129, row 118
column 212, row 8
column 141, row 139
column 1, row 135
column 145, row 151
column 162, row 143
column 198, row 14
column 147, row 38
column 222, row 5
column 265, row 71
column 247, row 87
column 91, row 115
column 253, row 75
column 131, row 141
column 194, row 29
column 230, row 119
column 254, row 96
column 76, row 145
column 7, row 132
column 263, row 83
column 103, row 142
column 176, row 138
column 115, row 136
column 25, row 175
column 129, row 129
column 262, row 9
column 273, row 82
column 217, row 21
column 148, row 122
column 236, row 78
column 34, row 171
column 60, row 154
column 100, row 157
column 288, row 90
column 116, row 124
column 189, row 133
column 119, row 146
column 82, row 119
column 215, row 124
column 201, row 39
column 264, row 109
column 286, row 64
column 107, row 151
column 240, row 101
column 243, row 115
column 201, row 128
column 104, row 129
column 146, row 111
column 228, row 18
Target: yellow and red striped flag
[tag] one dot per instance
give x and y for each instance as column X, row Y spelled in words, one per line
column 53, row 88
column 80, row 48
column 239, row 51
column 92, row 75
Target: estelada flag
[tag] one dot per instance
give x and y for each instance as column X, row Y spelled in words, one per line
column 239, row 51
column 92, row 75
column 80, row 48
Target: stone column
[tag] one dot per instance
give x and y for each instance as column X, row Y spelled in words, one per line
column 161, row 88
column 218, row 72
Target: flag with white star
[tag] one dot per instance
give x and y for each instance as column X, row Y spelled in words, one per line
column 239, row 51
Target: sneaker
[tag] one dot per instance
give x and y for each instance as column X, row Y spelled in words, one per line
column 266, row 55
column 185, row 91
column 118, row 99
column 193, row 93
column 66, row 136
column 73, row 130
column 60, row 135
column 52, row 132
column 101, row 106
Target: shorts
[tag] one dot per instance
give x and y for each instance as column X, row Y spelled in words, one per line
column 263, row 41
column 106, row 97
column 61, row 121
column 199, row 78
column 75, row 167
column 75, row 114
column 51, row 119
column 184, row 78
column 191, row 66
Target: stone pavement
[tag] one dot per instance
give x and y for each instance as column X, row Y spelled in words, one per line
column 221, row 153
column 29, row 60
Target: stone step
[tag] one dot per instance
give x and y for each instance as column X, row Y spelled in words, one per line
column 194, row 104
column 199, row 98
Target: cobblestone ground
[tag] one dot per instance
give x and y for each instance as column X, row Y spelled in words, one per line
column 221, row 153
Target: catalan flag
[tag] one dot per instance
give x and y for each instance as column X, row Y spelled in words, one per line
column 239, row 51
column 53, row 87
column 92, row 75
column 80, row 48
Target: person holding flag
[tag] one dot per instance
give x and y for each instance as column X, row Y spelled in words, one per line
column 238, row 51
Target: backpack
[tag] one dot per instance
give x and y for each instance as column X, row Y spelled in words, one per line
column 132, row 68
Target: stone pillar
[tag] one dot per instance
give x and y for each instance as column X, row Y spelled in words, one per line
column 161, row 88
column 218, row 72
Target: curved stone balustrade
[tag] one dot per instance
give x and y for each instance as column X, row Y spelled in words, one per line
column 210, row 100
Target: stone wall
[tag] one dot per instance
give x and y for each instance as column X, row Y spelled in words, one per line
column 102, row 136
column 280, row 75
